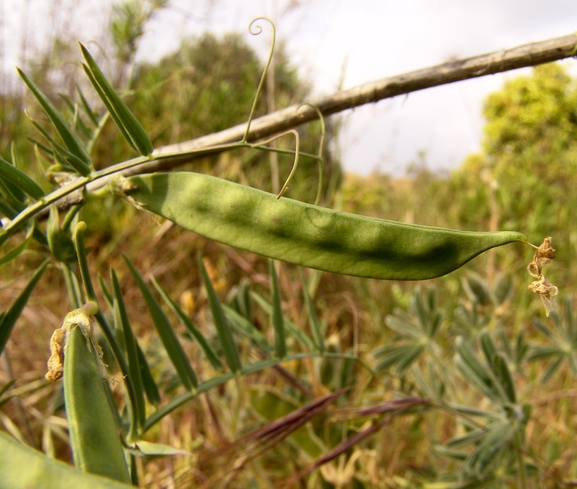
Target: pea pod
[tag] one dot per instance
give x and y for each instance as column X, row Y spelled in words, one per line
column 94, row 436
column 309, row 235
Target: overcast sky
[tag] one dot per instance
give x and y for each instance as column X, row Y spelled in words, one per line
column 354, row 40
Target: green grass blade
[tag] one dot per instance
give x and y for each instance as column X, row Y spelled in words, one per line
column 70, row 140
column 277, row 316
column 224, row 333
column 23, row 467
column 121, row 114
column 15, row 310
column 121, row 320
column 94, row 435
column 168, row 337
column 20, row 180
column 190, row 326
column 313, row 318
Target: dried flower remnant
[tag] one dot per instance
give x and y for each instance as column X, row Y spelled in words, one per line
column 546, row 290
column 56, row 360
column 80, row 318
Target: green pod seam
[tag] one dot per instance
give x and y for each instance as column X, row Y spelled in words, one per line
column 308, row 235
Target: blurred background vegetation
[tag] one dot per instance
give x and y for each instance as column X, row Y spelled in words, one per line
column 523, row 179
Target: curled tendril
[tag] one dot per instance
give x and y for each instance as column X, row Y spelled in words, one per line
column 321, row 145
column 295, row 162
column 255, row 30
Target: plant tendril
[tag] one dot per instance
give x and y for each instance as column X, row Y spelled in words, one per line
column 255, row 31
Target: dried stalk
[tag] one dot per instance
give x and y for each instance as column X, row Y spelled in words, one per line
column 295, row 115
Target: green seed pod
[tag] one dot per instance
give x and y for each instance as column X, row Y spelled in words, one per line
column 308, row 235
column 94, row 435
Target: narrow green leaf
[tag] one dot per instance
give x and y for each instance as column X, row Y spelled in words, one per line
column 190, row 326
column 412, row 353
column 246, row 327
column 70, row 140
column 109, row 107
column 23, row 467
column 78, row 123
column 121, row 320
column 116, row 106
column 66, row 157
column 72, row 286
column 471, row 360
column 14, row 197
column 389, row 355
column 277, row 315
column 166, row 333
column 91, row 114
column 464, row 440
column 94, row 435
column 402, row 324
column 498, row 435
column 6, row 209
column 39, row 146
column 150, row 387
column 541, row 326
column 471, row 376
column 19, row 179
column 148, row 449
column 552, row 368
column 313, row 318
column 12, row 254
column 7, row 386
column 289, row 325
column 13, row 313
column 83, row 261
column 105, row 291
column 473, row 411
column 504, row 376
column 224, row 333
column 5, row 400
column 489, row 349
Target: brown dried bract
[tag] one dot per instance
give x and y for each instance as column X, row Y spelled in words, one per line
column 544, row 255
column 56, row 360
column 77, row 318
column 545, row 289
